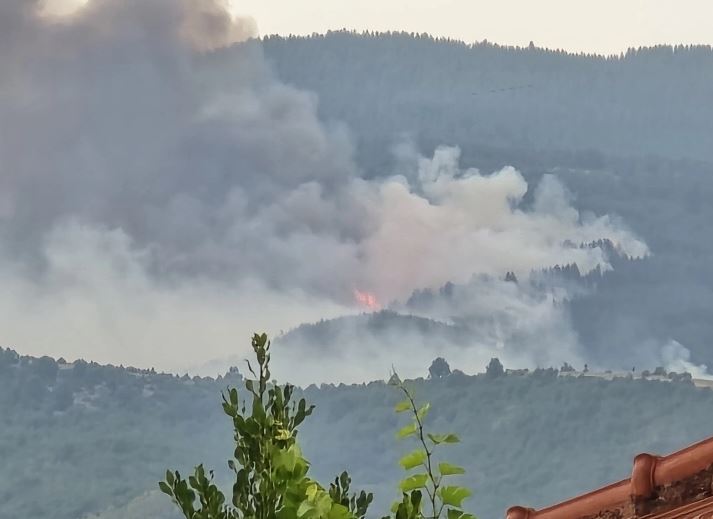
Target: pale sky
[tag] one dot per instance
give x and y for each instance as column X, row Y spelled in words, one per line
column 604, row 26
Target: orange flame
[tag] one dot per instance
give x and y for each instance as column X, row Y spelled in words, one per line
column 367, row 300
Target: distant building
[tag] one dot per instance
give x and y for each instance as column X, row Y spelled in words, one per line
column 677, row 486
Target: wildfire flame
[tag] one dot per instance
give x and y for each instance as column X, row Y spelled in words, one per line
column 366, row 300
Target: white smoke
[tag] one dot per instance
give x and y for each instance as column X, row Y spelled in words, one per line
column 450, row 223
column 97, row 299
column 677, row 358
column 163, row 195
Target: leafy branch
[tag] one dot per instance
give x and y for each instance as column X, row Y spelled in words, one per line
column 448, row 498
column 271, row 480
column 270, row 472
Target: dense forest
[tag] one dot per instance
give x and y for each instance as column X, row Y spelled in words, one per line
column 439, row 91
column 109, row 433
column 627, row 134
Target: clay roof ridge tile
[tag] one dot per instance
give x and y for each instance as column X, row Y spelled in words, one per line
column 648, row 472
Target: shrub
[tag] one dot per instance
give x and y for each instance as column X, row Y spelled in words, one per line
column 271, row 475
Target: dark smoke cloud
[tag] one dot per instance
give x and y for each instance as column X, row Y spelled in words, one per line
column 162, row 194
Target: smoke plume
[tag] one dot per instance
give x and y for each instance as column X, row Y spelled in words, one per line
column 163, row 195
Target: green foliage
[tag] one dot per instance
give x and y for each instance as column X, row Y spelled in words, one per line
column 356, row 503
column 409, row 507
column 125, row 426
column 443, row 499
column 270, row 472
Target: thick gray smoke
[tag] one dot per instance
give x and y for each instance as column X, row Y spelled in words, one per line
column 163, row 194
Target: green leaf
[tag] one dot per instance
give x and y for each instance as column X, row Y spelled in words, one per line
column 165, row 488
column 283, row 434
column 258, row 409
column 323, row 504
column 402, row 406
column 338, row 512
column 304, row 508
column 454, row 513
column 453, row 495
column 406, row 431
column 311, row 491
column 443, row 438
column 413, row 482
column 286, row 512
column 423, row 411
column 446, row 469
column 413, row 459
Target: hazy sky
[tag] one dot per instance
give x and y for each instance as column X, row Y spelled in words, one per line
column 604, row 26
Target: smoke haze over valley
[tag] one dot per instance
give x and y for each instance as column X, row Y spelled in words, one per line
column 164, row 194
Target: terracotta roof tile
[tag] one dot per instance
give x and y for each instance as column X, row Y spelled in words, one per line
column 648, row 472
column 698, row 510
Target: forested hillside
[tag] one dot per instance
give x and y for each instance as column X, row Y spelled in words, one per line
column 628, row 135
column 384, row 85
column 79, row 438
